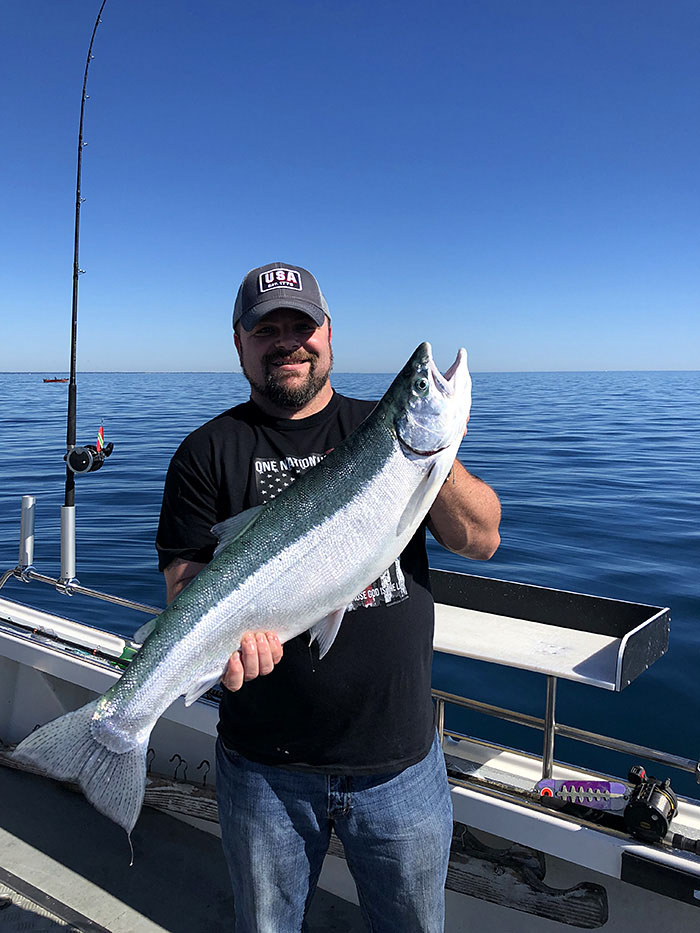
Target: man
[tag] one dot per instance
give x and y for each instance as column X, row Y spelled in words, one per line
column 348, row 742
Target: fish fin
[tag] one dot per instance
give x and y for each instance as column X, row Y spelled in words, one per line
column 202, row 684
column 426, row 490
column 66, row 749
column 142, row 633
column 326, row 630
column 230, row 529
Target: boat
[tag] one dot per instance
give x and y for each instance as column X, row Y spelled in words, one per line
column 525, row 856
column 539, row 845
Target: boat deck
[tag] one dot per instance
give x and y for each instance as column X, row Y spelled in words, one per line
column 63, row 866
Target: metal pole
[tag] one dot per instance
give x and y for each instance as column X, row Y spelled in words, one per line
column 67, row 578
column 441, row 718
column 87, row 591
column 549, row 727
column 26, row 534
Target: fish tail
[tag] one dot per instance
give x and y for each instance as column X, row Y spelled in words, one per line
column 66, row 749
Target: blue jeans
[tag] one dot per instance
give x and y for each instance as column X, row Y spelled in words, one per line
column 276, row 826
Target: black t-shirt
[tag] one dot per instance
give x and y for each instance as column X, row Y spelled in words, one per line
column 366, row 707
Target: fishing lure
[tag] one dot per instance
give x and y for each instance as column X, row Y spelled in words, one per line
column 600, row 795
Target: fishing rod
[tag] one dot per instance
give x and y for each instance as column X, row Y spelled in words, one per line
column 85, row 459
column 90, row 457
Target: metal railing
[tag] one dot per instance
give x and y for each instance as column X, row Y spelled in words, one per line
column 551, row 728
column 28, row 574
column 66, row 584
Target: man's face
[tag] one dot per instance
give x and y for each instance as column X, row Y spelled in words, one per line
column 286, row 358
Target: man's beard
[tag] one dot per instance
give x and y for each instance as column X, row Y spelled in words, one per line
column 287, row 396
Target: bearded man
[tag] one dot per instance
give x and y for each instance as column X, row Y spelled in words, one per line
column 347, row 743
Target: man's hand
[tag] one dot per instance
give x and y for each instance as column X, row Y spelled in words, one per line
column 259, row 651
column 258, row 654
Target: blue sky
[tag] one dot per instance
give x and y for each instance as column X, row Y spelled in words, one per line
column 519, row 177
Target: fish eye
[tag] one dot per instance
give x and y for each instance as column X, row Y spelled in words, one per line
column 420, row 386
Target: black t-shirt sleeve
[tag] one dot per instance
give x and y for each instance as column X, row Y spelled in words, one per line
column 189, row 508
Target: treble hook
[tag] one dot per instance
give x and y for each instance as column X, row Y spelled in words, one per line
column 201, row 765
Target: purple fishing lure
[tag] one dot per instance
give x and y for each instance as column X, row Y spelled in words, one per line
column 600, row 795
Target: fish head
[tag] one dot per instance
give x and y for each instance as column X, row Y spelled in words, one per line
column 429, row 409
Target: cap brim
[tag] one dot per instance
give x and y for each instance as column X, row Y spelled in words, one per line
column 251, row 317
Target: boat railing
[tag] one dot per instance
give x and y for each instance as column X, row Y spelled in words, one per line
column 73, row 588
column 557, row 728
column 66, row 583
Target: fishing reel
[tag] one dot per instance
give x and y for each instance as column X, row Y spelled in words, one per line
column 652, row 805
column 88, row 458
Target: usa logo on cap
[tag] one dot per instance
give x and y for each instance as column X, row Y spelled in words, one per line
column 279, row 278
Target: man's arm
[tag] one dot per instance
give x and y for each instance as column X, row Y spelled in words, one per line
column 259, row 651
column 466, row 515
column 178, row 574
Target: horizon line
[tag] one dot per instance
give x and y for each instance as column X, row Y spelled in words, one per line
column 339, row 372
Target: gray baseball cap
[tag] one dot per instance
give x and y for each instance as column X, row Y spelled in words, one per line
column 278, row 285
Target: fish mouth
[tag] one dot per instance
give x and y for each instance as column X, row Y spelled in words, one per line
column 446, row 385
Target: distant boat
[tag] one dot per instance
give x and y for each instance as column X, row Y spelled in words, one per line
column 56, row 379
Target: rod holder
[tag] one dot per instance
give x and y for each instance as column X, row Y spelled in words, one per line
column 26, row 534
column 67, row 548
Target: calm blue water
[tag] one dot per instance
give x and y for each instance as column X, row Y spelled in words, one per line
column 597, row 473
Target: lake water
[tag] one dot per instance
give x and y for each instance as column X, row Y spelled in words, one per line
column 598, row 474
